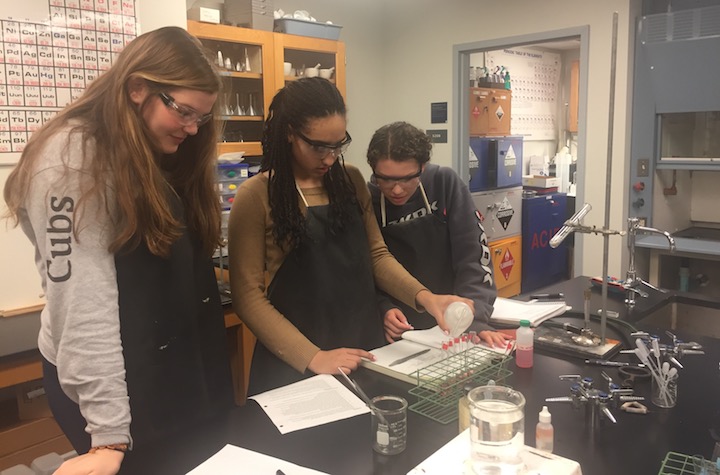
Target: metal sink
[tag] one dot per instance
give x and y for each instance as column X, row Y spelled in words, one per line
column 688, row 315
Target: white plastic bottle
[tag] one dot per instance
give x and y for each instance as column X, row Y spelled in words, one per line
column 544, row 432
column 524, row 348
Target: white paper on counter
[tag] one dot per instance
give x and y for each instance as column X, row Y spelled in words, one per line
column 453, row 458
column 231, row 460
column 309, row 403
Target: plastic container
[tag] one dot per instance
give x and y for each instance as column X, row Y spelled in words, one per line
column 684, row 279
column 544, row 432
column 524, row 342
column 293, row 26
column 458, row 317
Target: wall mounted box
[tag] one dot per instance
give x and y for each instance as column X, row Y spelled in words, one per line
column 495, row 162
column 307, row 28
column 489, row 111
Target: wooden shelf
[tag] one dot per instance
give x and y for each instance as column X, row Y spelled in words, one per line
column 243, row 118
column 250, row 148
column 20, row 368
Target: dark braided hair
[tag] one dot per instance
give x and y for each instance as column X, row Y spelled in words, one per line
column 291, row 109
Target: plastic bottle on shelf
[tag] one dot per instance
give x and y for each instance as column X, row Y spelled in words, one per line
column 684, row 276
column 544, row 432
column 524, row 345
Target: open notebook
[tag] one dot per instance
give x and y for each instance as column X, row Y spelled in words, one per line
column 508, row 311
column 416, row 350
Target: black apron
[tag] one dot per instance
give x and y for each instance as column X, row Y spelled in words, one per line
column 422, row 246
column 173, row 336
column 325, row 287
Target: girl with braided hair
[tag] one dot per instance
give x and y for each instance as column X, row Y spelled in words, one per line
column 305, row 225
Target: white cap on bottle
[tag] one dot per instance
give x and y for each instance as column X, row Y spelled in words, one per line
column 458, row 317
column 545, row 415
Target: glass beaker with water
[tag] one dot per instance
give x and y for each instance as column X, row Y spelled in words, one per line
column 497, row 430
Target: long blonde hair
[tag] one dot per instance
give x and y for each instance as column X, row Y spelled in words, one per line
column 125, row 154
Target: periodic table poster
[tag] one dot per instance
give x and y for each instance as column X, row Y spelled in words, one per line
column 48, row 59
column 535, row 84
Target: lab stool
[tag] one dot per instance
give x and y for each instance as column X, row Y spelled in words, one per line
column 18, row 470
column 46, row 464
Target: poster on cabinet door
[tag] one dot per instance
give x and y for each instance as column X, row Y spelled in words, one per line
column 535, row 85
column 50, row 50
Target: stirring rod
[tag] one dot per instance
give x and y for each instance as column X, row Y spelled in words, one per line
column 365, row 398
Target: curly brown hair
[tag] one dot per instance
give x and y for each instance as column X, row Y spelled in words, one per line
column 399, row 141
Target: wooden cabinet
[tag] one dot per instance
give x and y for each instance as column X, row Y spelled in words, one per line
column 304, row 51
column 256, row 73
column 249, row 83
column 490, row 111
column 507, row 265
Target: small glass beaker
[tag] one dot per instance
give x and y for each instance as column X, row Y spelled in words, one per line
column 389, row 424
column 665, row 392
column 497, row 430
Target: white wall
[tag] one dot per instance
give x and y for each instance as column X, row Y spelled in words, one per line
column 400, row 60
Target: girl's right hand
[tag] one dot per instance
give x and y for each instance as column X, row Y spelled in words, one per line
column 348, row 359
column 102, row 462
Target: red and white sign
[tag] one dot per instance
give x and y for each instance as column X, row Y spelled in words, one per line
column 506, row 264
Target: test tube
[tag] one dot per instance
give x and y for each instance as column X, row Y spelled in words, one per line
column 473, row 338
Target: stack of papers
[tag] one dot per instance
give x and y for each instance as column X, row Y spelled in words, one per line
column 512, row 311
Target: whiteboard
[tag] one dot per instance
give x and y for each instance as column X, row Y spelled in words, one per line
column 49, row 51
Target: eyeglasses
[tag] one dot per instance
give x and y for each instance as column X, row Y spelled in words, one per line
column 186, row 116
column 390, row 181
column 322, row 149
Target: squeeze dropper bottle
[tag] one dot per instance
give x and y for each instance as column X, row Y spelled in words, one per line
column 544, row 432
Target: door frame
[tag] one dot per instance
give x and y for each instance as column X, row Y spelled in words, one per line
column 461, row 105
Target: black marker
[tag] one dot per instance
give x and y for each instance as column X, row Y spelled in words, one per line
column 556, row 296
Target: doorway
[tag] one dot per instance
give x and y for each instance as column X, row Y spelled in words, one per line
column 546, row 134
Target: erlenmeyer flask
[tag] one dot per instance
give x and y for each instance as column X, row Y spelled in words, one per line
column 247, row 62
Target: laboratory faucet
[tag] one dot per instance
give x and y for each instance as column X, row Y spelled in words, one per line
column 631, row 278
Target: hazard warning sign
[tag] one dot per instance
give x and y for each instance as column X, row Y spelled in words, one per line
column 506, row 264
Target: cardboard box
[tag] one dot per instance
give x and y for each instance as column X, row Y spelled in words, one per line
column 26, row 434
column 205, row 14
column 539, row 181
column 32, row 401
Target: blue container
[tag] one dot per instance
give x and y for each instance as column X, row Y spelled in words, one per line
column 495, row 162
column 542, row 217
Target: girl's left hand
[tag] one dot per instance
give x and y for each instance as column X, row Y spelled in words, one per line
column 436, row 304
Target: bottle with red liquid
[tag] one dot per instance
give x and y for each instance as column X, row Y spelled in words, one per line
column 524, row 348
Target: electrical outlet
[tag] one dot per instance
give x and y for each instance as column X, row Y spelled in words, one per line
column 643, row 167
